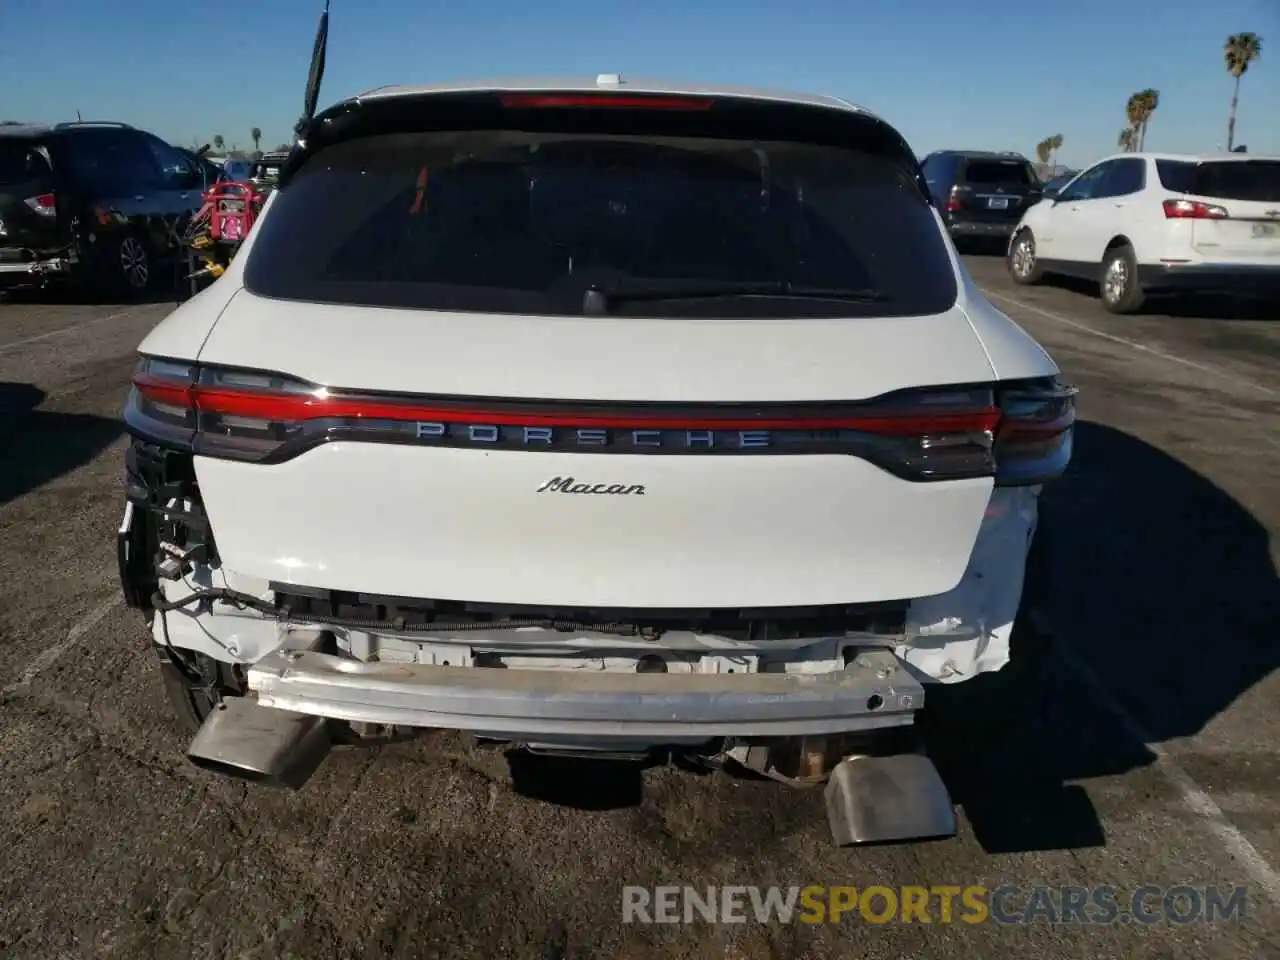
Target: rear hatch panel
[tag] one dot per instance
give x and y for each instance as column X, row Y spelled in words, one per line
column 996, row 190
column 467, row 524
column 453, row 266
column 1249, row 190
column 26, row 175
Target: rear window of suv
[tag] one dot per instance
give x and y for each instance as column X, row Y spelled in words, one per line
column 21, row 161
column 1256, row 180
column 503, row 221
column 992, row 172
column 110, row 161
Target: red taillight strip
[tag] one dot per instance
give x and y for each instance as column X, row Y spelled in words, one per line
column 606, row 101
column 164, row 391
column 297, row 408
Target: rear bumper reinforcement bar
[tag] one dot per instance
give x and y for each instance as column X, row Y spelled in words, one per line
column 873, row 692
column 36, row 268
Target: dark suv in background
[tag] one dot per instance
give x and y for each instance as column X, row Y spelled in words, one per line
column 99, row 203
column 982, row 195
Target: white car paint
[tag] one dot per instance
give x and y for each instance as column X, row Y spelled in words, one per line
column 1077, row 231
column 467, row 523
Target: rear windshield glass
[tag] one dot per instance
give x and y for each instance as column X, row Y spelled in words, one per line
column 111, row 161
column 1257, row 180
column 20, row 162
column 999, row 171
column 524, row 222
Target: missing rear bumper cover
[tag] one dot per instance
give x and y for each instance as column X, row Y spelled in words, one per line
column 375, row 611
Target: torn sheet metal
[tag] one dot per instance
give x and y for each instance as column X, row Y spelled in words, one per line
column 959, row 634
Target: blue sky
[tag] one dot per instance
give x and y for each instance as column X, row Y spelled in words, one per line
column 988, row 74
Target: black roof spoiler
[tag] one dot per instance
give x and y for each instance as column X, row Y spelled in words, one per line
column 730, row 116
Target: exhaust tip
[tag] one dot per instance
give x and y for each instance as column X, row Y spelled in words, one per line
column 887, row 799
column 246, row 741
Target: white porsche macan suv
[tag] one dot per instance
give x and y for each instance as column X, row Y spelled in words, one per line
column 599, row 417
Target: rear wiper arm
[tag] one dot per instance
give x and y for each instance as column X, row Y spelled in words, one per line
column 596, row 301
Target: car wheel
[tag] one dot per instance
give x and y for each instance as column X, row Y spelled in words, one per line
column 1121, row 292
column 134, row 265
column 120, row 267
column 1023, row 265
column 193, row 699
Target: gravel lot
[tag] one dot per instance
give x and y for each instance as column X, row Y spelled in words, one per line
column 1152, row 759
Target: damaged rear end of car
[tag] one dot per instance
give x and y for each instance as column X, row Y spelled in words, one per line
column 593, row 423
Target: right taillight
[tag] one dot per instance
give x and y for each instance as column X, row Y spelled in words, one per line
column 1193, row 210
column 46, row 204
column 1033, row 440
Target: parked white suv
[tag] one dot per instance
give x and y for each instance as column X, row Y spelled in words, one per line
column 1152, row 223
column 594, row 416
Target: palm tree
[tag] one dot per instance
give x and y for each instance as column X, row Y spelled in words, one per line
column 1128, row 139
column 256, row 136
column 1055, row 144
column 1042, row 151
column 1147, row 100
column 1133, row 113
column 218, row 142
column 1240, row 50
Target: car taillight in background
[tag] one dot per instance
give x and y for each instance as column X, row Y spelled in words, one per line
column 46, row 204
column 1193, row 210
column 1020, row 434
column 953, row 201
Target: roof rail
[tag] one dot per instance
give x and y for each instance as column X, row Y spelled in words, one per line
column 93, row 123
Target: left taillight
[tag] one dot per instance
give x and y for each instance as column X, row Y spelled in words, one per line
column 219, row 413
column 46, row 204
column 161, row 405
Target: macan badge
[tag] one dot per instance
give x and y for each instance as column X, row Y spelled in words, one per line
column 570, row 485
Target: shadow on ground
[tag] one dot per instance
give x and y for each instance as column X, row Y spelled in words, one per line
column 1161, row 582
column 1167, row 589
column 16, row 401
column 168, row 290
column 37, row 446
column 1199, row 306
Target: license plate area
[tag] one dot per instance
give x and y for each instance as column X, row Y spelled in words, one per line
column 997, row 203
column 1266, row 231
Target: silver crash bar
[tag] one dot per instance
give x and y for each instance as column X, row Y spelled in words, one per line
column 37, row 268
column 873, row 692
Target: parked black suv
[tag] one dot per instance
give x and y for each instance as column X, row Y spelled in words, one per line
column 101, row 203
column 982, row 195
column 266, row 169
